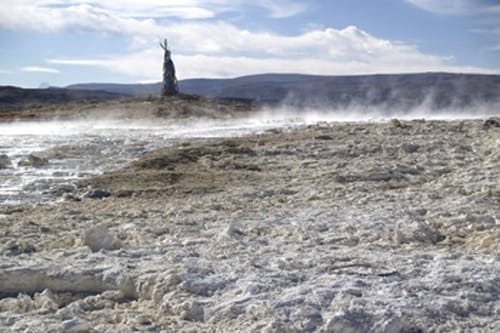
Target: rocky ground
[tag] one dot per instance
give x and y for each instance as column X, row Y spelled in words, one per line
column 181, row 106
column 334, row 227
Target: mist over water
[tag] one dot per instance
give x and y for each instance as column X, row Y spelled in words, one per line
column 360, row 112
column 82, row 148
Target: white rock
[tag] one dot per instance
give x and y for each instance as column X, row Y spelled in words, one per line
column 46, row 300
column 76, row 326
column 192, row 311
column 416, row 232
column 4, row 161
column 99, row 238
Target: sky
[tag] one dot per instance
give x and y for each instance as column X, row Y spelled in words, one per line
column 62, row 42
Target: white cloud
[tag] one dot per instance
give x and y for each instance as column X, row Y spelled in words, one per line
column 204, row 46
column 127, row 15
column 210, row 66
column 37, row 69
column 322, row 52
column 124, row 8
column 82, row 17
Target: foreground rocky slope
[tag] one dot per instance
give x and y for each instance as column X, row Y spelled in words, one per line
column 336, row 227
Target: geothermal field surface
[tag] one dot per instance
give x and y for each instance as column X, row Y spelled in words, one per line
column 257, row 224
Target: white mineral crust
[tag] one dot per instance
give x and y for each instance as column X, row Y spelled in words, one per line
column 337, row 227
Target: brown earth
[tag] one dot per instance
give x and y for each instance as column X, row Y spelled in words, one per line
column 181, row 106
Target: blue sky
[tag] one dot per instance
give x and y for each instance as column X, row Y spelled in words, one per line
column 61, row 42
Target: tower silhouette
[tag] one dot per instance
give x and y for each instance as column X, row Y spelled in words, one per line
column 169, row 86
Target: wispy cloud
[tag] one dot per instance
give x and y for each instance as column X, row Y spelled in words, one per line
column 458, row 7
column 124, row 16
column 37, row 69
column 282, row 9
column 493, row 9
column 485, row 12
column 445, row 6
column 6, row 71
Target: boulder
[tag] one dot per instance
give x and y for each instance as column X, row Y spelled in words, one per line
column 18, row 247
column 99, row 238
column 396, row 123
column 417, row 231
column 4, row 161
column 34, row 161
column 76, row 326
column 491, row 122
column 97, row 194
column 192, row 311
column 410, row 148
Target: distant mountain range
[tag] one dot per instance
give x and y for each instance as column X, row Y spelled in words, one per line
column 12, row 98
column 434, row 90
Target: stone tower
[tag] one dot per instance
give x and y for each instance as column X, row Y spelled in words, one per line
column 169, row 86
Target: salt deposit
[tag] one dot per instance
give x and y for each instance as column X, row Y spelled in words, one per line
column 332, row 227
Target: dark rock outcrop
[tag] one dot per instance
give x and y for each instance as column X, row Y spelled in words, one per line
column 491, row 122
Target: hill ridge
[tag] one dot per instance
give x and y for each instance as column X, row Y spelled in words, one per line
column 434, row 90
column 437, row 89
